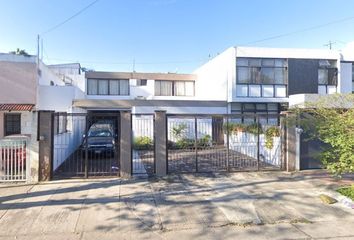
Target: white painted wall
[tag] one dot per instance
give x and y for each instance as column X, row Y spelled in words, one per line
column 67, row 143
column 47, row 75
column 58, row 98
column 215, row 77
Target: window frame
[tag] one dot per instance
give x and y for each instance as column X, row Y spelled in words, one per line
column 173, row 85
column 108, row 90
column 6, row 115
column 263, row 64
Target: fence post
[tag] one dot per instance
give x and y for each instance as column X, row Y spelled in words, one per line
column 160, row 137
column 125, row 144
column 290, row 145
column 227, row 143
column 46, row 144
column 196, row 143
column 258, row 144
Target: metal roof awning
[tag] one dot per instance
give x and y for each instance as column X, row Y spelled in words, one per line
column 16, row 107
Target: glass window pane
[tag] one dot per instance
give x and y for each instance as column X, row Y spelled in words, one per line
column 280, row 63
column 236, row 106
column 280, row 91
column 332, row 76
column 268, row 62
column 249, row 107
column 255, row 90
column 157, row 88
column 273, row 107
column 268, row 90
column 243, row 75
column 322, row 89
column 253, row 62
column 180, row 88
column 242, row 62
column 242, row 90
column 322, row 76
column 261, row 107
column 114, row 87
column 255, row 73
column 123, row 87
column 267, row 75
column 91, row 86
column 166, row 88
column 103, row 87
column 280, row 76
column 189, row 88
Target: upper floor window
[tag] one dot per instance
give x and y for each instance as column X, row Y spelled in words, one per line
column 107, row 86
column 174, row 88
column 261, row 77
column 327, row 76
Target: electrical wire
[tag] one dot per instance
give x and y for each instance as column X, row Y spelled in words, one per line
column 70, row 18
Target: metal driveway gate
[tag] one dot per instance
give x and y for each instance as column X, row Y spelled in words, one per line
column 86, row 144
column 143, row 145
column 208, row 143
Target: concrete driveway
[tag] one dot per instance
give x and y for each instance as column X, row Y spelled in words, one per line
column 269, row 205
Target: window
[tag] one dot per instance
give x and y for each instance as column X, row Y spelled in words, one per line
column 254, row 108
column 141, row 82
column 60, row 123
column 107, row 86
column 12, row 123
column 174, row 88
column 258, row 77
column 327, row 76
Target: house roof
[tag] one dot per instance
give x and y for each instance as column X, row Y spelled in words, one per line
column 16, row 107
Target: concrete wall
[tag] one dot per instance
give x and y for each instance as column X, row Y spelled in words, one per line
column 215, row 77
column 58, row 98
column 18, row 81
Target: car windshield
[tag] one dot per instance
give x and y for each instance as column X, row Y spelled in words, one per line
column 100, row 133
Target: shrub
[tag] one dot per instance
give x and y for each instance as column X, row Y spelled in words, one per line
column 143, row 143
column 269, row 134
column 184, row 143
column 234, row 127
column 179, row 130
column 254, row 128
column 204, row 141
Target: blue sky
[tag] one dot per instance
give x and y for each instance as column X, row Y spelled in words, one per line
column 167, row 35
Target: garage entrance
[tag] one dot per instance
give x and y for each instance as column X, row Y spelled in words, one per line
column 86, row 144
column 234, row 142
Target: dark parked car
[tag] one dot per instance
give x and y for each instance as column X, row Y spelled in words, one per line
column 100, row 138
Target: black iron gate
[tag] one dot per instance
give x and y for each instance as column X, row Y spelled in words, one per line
column 208, row 143
column 143, row 145
column 86, row 144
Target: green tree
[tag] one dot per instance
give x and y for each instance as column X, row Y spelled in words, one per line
column 20, row 52
column 331, row 120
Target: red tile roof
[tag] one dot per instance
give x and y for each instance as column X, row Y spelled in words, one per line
column 16, row 107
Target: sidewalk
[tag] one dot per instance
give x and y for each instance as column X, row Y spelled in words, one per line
column 239, row 205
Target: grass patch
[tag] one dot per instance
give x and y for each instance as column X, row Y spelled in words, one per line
column 347, row 191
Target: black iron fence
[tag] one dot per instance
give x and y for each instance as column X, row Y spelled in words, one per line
column 85, row 145
column 207, row 143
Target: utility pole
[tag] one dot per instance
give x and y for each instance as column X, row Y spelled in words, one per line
column 37, row 53
column 330, row 44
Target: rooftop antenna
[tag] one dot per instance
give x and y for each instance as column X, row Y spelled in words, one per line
column 330, row 44
column 134, row 65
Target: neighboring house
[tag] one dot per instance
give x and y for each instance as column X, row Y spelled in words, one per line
column 27, row 87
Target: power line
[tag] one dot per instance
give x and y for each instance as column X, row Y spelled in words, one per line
column 68, row 19
column 300, row 31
